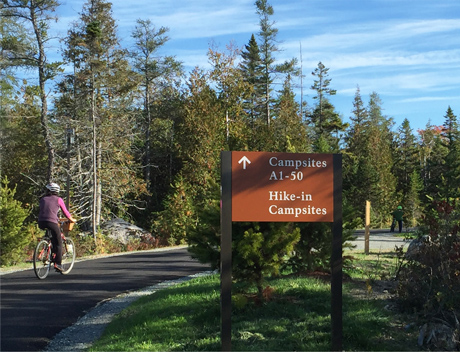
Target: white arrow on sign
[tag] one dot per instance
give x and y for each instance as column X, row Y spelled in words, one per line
column 245, row 161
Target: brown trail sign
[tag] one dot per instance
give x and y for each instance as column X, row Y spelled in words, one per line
column 281, row 187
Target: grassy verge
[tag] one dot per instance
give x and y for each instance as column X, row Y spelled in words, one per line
column 297, row 317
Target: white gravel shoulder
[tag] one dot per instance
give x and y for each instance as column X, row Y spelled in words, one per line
column 81, row 335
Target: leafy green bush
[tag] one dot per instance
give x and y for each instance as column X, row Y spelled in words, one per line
column 14, row 238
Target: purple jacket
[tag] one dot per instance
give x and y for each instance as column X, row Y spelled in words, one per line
column 49, row 208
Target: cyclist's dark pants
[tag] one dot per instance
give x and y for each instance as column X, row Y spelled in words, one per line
column 56, row 239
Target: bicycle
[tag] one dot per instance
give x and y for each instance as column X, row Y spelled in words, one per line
column 43, row 256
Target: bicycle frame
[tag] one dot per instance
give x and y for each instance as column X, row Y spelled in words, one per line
column 43, row 257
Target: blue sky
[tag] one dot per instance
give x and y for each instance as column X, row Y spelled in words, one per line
column 408, row 51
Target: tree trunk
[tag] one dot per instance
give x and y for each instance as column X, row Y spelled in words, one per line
column 99, row 187
column 147, row 135
column 94, row 162
column 44, row 106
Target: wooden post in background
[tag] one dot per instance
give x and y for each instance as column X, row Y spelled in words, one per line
column 367, row 231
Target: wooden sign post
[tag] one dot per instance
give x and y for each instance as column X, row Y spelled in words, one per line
column 367, row 227
column 281, row 187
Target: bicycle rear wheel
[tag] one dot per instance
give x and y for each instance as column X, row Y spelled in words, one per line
column 68, row 255
column 42, row 260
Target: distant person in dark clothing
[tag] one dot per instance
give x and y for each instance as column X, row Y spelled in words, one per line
column 397, row 217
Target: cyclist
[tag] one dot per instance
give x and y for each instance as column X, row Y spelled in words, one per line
column 48, row 218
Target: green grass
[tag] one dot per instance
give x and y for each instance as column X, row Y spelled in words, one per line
column 373, row 266
column 187, row 318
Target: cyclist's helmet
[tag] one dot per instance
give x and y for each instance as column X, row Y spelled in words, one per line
column 400, row 207
column 53, row 187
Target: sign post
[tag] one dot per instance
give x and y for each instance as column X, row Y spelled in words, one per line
column 281, row 187
column 226, row 252
column 367, row 227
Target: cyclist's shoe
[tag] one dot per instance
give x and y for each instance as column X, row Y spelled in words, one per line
column 58, row 268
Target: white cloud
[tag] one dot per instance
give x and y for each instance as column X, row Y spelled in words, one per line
column 408, row 52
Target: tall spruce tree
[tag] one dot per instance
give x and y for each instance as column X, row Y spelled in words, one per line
column 380, row 156
column 357, row 170
column 268, row 46
column 405, row 159
column 252, row 71
column 433, row 152
column 324, row 119
column 450, row 183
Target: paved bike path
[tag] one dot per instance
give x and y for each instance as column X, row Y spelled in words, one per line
column 33, row 311
column 379, row 240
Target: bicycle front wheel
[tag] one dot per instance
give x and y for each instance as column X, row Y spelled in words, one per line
column 68, row 255
column 42, row 260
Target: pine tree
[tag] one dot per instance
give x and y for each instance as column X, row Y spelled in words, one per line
column 12, row 215
column 450, row 184
column 23, row 156
column 359, row 124
column 434, row 151
column 380, row 157
column 324, row 119
column 252, row 71
column 357, row 170
column 268, row 46
column 260, row 250
column 37, row 15
column 406, row 159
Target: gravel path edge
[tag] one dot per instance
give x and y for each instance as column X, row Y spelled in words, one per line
column 81, row 335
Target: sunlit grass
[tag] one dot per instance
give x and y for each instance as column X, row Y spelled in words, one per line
column 297, row 317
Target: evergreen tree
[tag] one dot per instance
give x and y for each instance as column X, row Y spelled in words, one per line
column 406, row 160
column 268, row 46
column 260, row 250
column 155, row 72
column 433, row 151
column 252, row 71
column 380, row 156
column 289, row 130
column 412, row 202
column 324, row 119
column 450, row 183
column 97, row 98
column 231, row 90
column 200, row 136
column 358, row 172
column 360, row 122
column 16, row 46
column 23, row 156
column 37, row 15
column 12, row 215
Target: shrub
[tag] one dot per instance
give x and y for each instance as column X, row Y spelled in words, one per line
column 260, row 249
column 430, row 281
column 14, row 238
